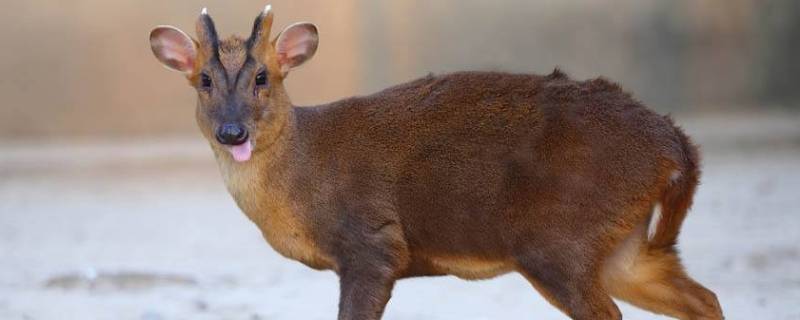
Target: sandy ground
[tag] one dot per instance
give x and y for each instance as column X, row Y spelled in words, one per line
column 144, row 230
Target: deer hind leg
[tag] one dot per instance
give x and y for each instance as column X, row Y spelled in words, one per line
column 654, row 279
column 567, row 281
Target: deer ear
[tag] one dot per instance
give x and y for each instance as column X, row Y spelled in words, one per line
column 295, row 45
column 173, row 48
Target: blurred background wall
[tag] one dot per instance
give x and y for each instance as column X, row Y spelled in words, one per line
column 84, row 68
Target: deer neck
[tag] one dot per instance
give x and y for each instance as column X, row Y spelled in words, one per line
column 260, row 186
column 264, row 190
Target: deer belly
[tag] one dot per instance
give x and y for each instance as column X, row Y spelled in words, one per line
column 470, row 268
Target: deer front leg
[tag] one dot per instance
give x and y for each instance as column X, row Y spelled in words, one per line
column 364, row 293
column 371, row 254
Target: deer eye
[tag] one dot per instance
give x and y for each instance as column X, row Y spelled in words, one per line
column 205, row 81
column 261, row 78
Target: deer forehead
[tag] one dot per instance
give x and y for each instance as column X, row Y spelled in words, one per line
column 232, row 54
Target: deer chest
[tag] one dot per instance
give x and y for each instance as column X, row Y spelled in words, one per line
column 281, row 223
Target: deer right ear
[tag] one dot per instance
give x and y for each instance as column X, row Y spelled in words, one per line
column 296, row 44
column 174, row 48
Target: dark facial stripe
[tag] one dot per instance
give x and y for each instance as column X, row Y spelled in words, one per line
column 209, row 38
column 252, row 41
column 242, row 74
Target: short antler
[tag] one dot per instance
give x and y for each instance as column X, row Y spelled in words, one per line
column 207, row 34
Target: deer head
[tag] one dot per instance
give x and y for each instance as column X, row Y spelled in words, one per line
column 242, row 104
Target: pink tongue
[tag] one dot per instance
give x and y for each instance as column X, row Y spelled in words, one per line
column 242, row 152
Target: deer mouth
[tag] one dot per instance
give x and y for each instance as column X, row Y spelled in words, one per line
column 241, row 152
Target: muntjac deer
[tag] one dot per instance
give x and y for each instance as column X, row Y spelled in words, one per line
column 573, row 184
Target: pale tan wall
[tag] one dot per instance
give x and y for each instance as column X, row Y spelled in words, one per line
column 84, row 67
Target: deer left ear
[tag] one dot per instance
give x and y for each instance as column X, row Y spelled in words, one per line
column 295, row 45
column 173, row 48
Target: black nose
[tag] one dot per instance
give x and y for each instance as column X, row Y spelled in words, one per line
column 231, row 134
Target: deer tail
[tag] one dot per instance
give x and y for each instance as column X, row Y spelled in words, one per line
column 668, row 216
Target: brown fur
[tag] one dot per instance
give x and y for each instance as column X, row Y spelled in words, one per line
column 473, row 174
